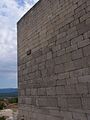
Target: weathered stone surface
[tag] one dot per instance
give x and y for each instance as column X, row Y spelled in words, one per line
column 54, row 61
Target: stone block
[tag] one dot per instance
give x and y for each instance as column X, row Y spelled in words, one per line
column 86, row 103
column 80, row 63
column 33, row 92
column 71, row 81
column 80, row 72
column 51, row 83
column 85, row 50
column 82, row 28
column 76, row 40
column 61, row 82
column 77, row 54
column 28, row 92
column 82, row 88
column 88, row 3
column 72, row 36
column 88, row 9
column 83, row 43
column 67, row 115
column 80, row 8
column 69, row 66
column 56, row 48
column 51, row 91
column 88, row 116
column 71, row 30
column 63, row 58
column 41, row 66
column 74, row 102
column 79, row 116
column 84, row 79
column 69, row 20
column 61, row 52
column 66, row 44
column 87, row 35
column 33, row 101
column 71, row 48
column 62, row 102
column 53, row 118
column 59, row 68
column 88, row 61
column 79, row 14
column 60, row 90
column 63, row 75
column 88, row 21
column 61, row 35
column 49, row 55
column 84, row 17
column 44, row 72
column 70, row 89
column 41, row 91
column 47, row 102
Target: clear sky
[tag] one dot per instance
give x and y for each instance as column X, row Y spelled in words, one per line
column 10, row 12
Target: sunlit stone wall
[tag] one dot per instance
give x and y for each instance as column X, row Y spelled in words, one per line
column 54, row 61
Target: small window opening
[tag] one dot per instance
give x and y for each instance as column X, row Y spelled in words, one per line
column 29, row 52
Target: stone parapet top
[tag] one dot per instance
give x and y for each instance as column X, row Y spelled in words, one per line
column 33, row 7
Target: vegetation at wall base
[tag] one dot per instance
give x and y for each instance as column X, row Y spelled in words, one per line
column 2, row 118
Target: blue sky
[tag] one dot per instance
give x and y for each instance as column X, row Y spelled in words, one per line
column 10, row 12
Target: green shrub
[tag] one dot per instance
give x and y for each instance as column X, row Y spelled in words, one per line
column 13, row 100
column 2, row 106
column 2, row 118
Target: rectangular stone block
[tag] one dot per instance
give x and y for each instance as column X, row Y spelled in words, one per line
column 61, row 82
column 33, row 92
column 41, row 91
column 63, row 58
column 71, row 48
column 51, row 91
column 86, row 103
column 82, row 88
column 62, row 102
column 82, row 28
column 59, row 68
column 63, row 75
column 85, row 50
column 76, row 40
column 83, row 43
column 69, row 66
column 70, row 89
column 80, row 116
column 61, row 52
column 60, row 90
column 80, row 8
column 47, row 102
column 84, row 79
column 77, row 54
column 49, row 55
column 87, row 35
column 74, row 103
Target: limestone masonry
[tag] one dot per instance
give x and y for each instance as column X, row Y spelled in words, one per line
column 54, row 61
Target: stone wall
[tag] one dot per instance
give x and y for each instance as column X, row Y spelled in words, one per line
column 54, row 61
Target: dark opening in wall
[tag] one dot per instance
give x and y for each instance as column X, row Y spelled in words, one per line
column 29, row 52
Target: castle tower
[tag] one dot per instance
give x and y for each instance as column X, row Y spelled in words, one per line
column 54, row 61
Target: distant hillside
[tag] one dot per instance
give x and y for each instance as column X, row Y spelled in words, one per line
column 9, row 92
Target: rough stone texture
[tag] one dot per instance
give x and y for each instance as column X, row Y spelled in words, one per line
column 54, row 61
